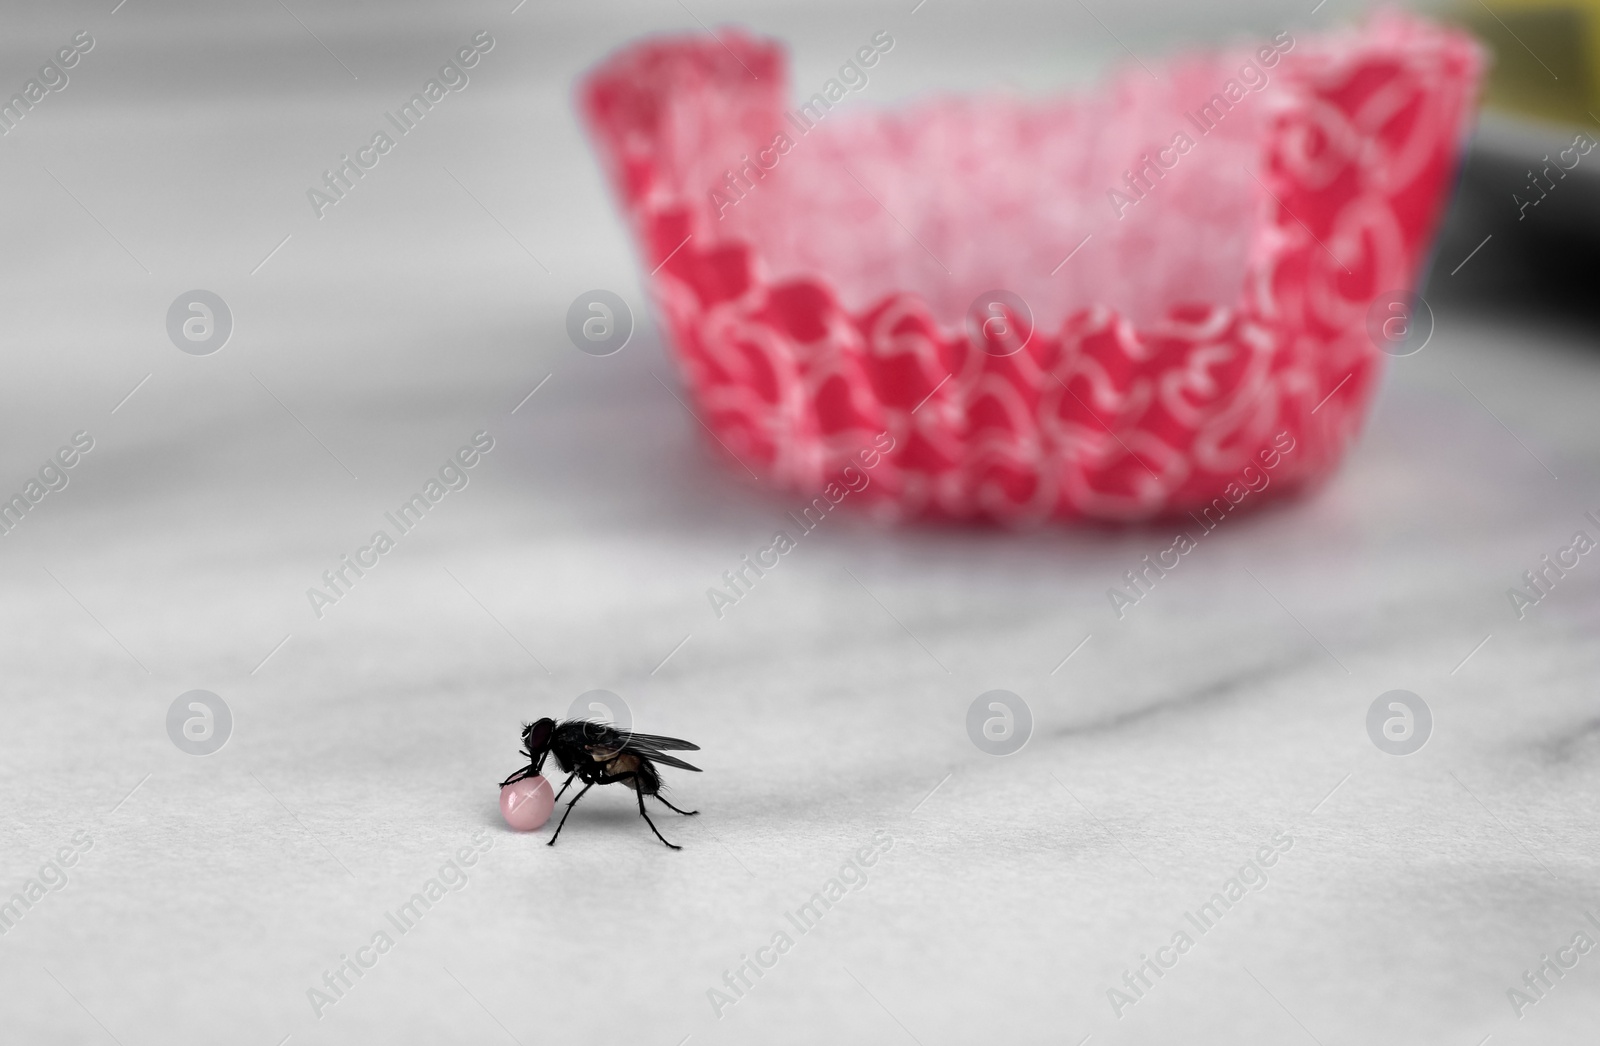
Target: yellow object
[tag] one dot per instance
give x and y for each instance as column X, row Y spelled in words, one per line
column 1547, row 56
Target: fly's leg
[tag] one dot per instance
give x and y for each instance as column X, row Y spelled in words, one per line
column 652, row 824
column 526, row 771
column 669, row 806
column 563, row 791
column 570, row 805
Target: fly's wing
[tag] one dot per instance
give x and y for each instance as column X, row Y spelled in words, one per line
column 650, row 747
column 662, row 744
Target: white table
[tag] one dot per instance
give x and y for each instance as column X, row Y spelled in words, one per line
column 1228, row 706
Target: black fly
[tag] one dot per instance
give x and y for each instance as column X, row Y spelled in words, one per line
column 602, row 754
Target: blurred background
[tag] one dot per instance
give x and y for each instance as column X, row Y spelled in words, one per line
column 362, row 743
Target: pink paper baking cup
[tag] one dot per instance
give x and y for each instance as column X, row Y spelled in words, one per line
column 1116, row 305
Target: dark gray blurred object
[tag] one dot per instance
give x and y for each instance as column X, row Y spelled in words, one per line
column 1533, row 252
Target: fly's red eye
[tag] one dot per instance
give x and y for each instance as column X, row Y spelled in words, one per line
column 538, row 735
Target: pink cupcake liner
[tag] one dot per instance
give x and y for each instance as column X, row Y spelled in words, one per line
column 1194, row 315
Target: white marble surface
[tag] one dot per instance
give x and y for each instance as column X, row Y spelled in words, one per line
column 1227, row 707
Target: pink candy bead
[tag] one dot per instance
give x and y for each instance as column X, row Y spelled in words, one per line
column 526, row 804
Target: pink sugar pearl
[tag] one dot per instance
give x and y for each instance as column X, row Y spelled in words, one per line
column 526, row 804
